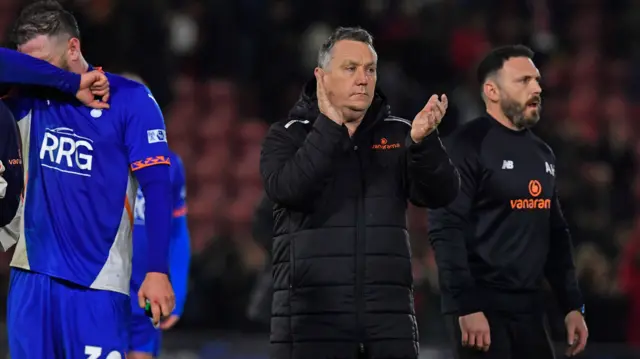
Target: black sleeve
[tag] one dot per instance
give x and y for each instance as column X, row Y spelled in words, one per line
column 433, row 180
column 448, row 227
column 262, row 225
column 560, row 269
column 292, row 172
column 12, row 163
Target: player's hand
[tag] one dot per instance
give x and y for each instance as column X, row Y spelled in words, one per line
column 158, row 290
column 475, row 331
column 428, row 119
column 168, row 323
column 325, row 106
column 94, row 84
column 577, row 333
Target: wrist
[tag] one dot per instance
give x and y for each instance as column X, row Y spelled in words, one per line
column 157, row 274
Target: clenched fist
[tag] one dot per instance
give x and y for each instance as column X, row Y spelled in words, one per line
column 429, row 117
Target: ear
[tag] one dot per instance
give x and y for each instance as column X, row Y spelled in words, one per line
column 73, row 49
column 491, row 90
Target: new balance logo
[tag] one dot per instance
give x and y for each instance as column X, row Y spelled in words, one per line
column 507, row 165
column 550, row 168
column 62, row 150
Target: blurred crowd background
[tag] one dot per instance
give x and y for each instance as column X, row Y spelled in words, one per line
column 222, row 70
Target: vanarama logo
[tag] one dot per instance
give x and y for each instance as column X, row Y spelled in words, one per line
column 535, row 190
column 385, row 145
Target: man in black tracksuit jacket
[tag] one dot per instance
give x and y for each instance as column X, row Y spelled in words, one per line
column 341, row 256
column 10, row 166
column 505, row 232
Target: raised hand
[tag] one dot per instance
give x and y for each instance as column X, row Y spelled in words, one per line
column 325, row 106
column 428, row 119
column 92, row 84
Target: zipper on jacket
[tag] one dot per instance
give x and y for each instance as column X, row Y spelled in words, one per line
column 360, row 257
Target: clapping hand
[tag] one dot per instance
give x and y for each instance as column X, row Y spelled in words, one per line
column 428, row 119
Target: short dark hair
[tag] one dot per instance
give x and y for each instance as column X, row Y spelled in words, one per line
column 45, row 17
column 495, row 59
column 342, row 33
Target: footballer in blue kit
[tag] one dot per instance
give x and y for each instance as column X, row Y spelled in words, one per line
column 71, row 269
column 144, row 336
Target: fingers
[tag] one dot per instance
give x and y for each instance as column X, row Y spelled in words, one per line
column 486, row 338
column 142, row 301
column 169, row 322
column 571, row 332
column 100, row 105
column 465, row 338
column 581, row 342
column 156, row 310
column 429, row 106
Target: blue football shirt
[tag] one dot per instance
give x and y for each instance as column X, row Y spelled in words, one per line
column 80, row 191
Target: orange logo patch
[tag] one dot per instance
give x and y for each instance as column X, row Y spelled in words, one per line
column 535, row 190
column 385, row 145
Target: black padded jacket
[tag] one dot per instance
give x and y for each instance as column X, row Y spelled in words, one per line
column 341, row 256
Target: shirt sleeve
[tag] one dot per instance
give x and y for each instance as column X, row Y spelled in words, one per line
column 20, row 69
column 179, row 188
column 145, row 135
column 448, row 229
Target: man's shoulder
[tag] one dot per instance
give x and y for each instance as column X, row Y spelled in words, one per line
column 472, row 132
column 127, row 91
column 542, row 144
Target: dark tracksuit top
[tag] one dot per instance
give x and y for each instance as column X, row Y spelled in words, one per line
column 505, row 232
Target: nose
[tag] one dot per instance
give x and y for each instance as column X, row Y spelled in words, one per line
column 361, row 77
column 536, row 88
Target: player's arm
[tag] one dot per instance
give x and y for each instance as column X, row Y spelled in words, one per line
column 447, row 232
column 293, row 171
column 11, row 175
column 180, row 248
column 560, row 269
column 149, row 157
column 433, row 180
column 20, row 69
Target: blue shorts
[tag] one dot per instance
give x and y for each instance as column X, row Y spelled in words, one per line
column 144, row 337
column 50, row 318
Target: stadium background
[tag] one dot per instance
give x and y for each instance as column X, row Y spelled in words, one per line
column 223, row 69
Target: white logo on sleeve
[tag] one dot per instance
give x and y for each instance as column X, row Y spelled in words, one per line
column 155, row 136
column 65, row 151
column 507, row 165
column 550, row 168
column 139, row 208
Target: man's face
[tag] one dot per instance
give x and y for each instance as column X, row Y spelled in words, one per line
column 48, row 48
column 351, row 77
column 519, row 84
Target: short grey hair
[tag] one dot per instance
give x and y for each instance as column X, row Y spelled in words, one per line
column 342, row 33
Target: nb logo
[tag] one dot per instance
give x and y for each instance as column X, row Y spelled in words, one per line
column 507, row 165
column 138, row 209
column 550, row 168
column 62, row 150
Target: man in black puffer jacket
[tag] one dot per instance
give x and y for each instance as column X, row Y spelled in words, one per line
column 340, row 170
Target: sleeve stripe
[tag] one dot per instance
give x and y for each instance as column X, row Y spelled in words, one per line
column 180, row 212
column 150, row 161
